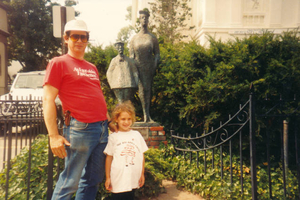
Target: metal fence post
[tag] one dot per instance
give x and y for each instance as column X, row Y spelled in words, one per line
column 50, row 173
column 285, row 145
column 8, row 158
column 297, row 155
column 252, row 143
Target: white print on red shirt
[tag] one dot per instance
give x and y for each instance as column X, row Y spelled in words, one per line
column 84, row 72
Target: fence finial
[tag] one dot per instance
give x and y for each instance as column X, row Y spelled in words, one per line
column 252, row 87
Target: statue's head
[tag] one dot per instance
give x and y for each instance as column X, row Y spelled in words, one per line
column 145, row 12
column 119, row 45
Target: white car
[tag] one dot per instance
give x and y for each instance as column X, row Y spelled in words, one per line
column 26, row 84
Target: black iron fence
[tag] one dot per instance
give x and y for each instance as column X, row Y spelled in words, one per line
column 20, row 122
column 277, row 123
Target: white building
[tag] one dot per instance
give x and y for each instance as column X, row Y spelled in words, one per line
column 3, row 48
column 225, row 19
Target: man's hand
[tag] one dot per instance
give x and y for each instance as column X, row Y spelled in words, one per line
column 57, row 143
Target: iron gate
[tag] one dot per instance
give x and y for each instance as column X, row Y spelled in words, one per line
column 244, row 125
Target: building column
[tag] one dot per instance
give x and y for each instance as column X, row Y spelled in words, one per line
column 298, row 13
column 236, row 17
column 275, row 13
column 3, row 48
column 3, row 68
column 134, row 11
column 209, row 18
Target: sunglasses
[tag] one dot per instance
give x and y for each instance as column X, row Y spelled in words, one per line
column 75, row 38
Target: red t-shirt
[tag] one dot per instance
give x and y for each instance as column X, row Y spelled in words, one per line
column 79, row 88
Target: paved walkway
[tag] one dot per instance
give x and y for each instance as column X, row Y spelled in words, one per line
column 172, row 193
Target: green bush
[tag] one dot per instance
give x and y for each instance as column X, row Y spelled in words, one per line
column 19, row 171
column 195, row 87
column 210, row 185
column 155, row 172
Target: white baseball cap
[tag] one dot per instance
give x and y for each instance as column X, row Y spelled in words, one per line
column 76, row 25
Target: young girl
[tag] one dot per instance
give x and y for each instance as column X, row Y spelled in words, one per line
column 124, row 155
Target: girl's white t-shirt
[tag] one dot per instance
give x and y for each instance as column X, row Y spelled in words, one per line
column 127, row 149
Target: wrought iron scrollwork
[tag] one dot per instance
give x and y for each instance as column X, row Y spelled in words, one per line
column 223, row 134
column 19, row 108
column 216, row 137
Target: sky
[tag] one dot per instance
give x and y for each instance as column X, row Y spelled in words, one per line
column 104, row 18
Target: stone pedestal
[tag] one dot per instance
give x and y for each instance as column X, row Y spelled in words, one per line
column 153, row 133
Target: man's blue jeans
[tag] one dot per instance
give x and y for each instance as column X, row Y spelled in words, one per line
column 85, row 161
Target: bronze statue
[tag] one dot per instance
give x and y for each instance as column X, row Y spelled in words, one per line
column 144, row 49
column 122, row 75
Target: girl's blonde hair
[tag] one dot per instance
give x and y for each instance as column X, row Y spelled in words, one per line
column 123, row 107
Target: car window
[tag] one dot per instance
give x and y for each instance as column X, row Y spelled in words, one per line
column 31, row 81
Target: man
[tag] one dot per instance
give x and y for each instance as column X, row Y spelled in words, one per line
column 122, row 75
column 77, row 84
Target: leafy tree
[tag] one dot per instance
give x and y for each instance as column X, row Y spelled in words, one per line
column 128, row 17
column 126, row 32
column 31, row 41
column 170, row 19
column 72, row 3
